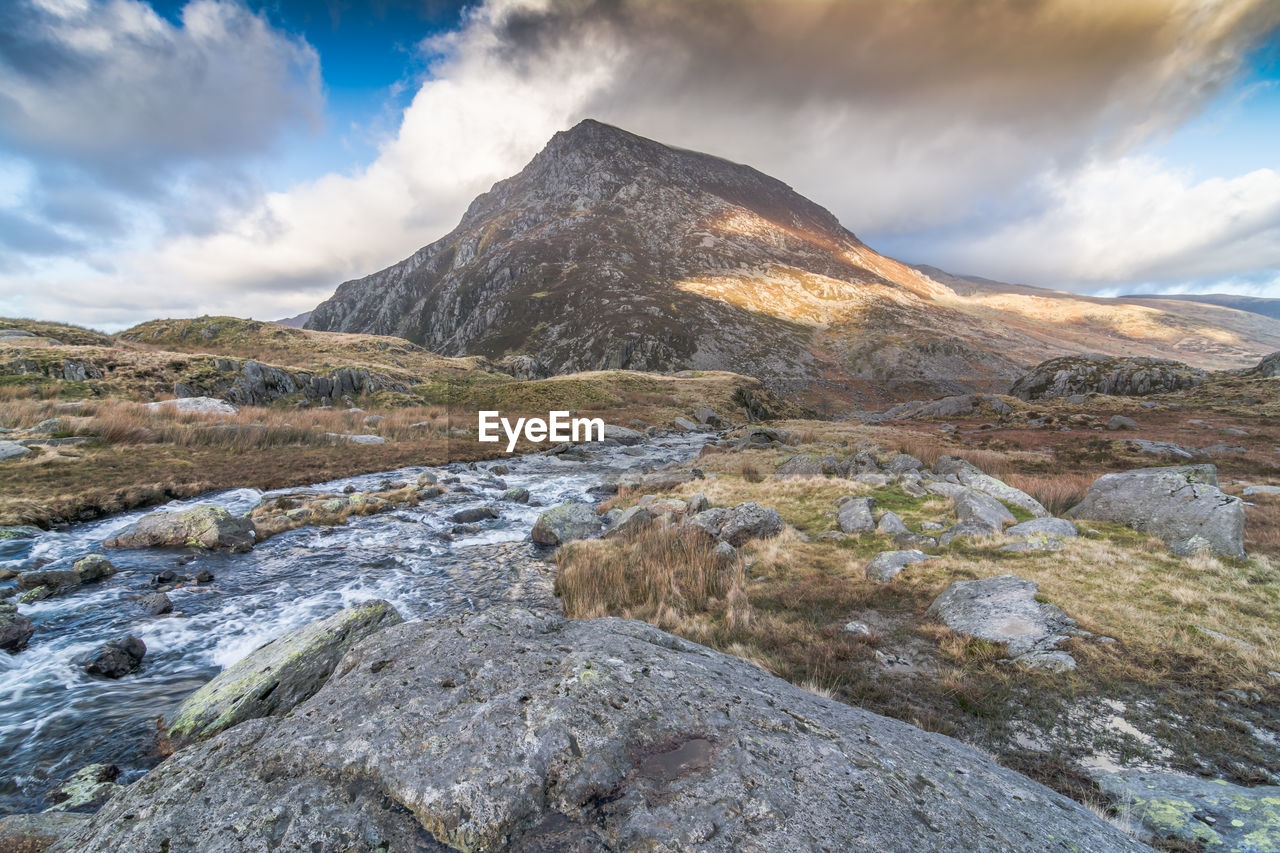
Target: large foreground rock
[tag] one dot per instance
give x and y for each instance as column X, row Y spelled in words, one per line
column 507, row 730
column 279, row 675
column 564, row 523
column 1181, row 504
column 1005, row 610
column 198, row 527
column 1210, row 813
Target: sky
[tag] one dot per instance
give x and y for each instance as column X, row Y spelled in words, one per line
column 170, row 159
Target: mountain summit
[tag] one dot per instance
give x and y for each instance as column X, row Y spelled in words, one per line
column 609, row 250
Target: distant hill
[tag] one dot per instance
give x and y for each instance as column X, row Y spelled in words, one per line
column 296, row 322
column 1252, row 304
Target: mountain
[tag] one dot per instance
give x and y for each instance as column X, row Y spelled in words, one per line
column 609, row 250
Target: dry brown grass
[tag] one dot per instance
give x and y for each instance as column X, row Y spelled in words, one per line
column 662, row 574
column 1057, row 492
column 1262, row 526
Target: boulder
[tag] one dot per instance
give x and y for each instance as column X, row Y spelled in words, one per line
column 707, row 415
column 524, row 367
column 364, row 438
column 195, row 405
column 886, row 565
column 1174, row 503
column 1161, row 448
column 622, row 435
column 199, row 527
column 33, row 833
column 1045, row 527
column 117, row 658
column 740, row 524
column 15, row 629
column 890, row 525
column 802, row 466
column 1004, row 610
column 630, row 521
column 1207, row 814
column 854, row 515
column 13, row 450
column 517, row 495
column 724, row 554
column 970, row 475
column 1039, row 542
column 474, row 514
column 1100, row 374
column 428, row 478
column 92, row 568
column 697, row 503
column 157, row 604
column 658, row 481
column 1119, row 422
column 510, row 730
column 902, row 463
column 918, row 541
column 51, row 579
column 277, row 676
column 685, row 424
column 979, row 508
column 1251, row 491
column 564, row 523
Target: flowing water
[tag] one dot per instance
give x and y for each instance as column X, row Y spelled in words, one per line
column 54, row 718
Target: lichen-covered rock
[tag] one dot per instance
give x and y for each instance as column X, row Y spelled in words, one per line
column 801, row 466
column 516, row 495
column 890, row 524
column 1211, row 814
column 630, row 521
column 1044, row 527
column 92, row 568
column 518, row 731
column 87, row 789
column 855, row 515
column 1004, row 610
column 970, row 475
column 740, row 524
column 195, row 405
column 564, row 523
column 279, row 675
column 199, row 527
column 1100, row 374
column 35, row 833
column 15, row 629
column 887, row 565
column 1174, row 503
column 979, row 508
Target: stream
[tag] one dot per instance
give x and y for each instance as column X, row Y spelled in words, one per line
column 55, row 718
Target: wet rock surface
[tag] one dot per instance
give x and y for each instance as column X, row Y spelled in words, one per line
column 516, row 730
column 276, row 677
column 15, row 629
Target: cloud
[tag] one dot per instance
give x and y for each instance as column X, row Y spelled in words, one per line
column 1133, row 219
column 935, row 116
column 119, row 92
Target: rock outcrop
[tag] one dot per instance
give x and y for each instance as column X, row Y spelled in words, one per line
column 887, row 565
column 1005, row 610
column 1181, row 504
column 198, row 527
column 516, row 731
column 279, row 675
column 1100, row 374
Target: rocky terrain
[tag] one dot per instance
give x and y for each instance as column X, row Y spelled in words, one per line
column 613, row 251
